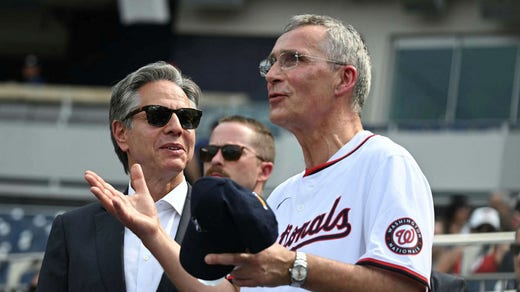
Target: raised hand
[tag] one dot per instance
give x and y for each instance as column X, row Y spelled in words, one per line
column 137, row 212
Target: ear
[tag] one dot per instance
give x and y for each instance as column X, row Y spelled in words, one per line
column 347, row 80
column 266, row 168
column 119, row 133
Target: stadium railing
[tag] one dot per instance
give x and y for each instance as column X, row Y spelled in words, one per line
column 472, row 239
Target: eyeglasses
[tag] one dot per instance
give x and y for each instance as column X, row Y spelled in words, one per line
column 158, row 116
column 515, row 248
column 230, row 152
column 288, row 60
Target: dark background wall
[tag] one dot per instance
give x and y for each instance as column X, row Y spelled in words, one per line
column 97, row 49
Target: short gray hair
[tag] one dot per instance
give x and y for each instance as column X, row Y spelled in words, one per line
column 125, row 97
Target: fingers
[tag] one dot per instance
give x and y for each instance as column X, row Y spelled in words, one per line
column 93, row 179
column 137, row 177
column 267, row 268
column 226, row 259
column 97, row 184
column 241, row 275
column 105, row 193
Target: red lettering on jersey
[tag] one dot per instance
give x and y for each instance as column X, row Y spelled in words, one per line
column 331, row 225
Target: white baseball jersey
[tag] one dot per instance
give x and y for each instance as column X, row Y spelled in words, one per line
column 370, row 204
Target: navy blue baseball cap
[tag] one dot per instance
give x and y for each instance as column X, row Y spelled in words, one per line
column 226, row 218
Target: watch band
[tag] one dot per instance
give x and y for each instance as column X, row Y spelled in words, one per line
column 298, row 271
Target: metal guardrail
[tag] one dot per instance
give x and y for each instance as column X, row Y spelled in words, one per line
column 14, row 91
column 471, row 239
column 474, row 238
column 54, row 93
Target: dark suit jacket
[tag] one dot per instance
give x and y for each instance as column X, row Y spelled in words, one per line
column 444, row 282
column 85, row 251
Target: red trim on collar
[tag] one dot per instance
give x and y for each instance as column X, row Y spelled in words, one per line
column 329, row 163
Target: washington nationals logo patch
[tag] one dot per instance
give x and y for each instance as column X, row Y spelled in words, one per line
column 403, row 236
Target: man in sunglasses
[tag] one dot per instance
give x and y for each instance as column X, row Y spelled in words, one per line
column 242, row 149
column 153, row 116
column 359, row 217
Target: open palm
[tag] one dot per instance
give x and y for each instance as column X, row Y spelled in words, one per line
column 137, row 212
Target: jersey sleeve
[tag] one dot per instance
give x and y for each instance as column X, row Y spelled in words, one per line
column 399, row 219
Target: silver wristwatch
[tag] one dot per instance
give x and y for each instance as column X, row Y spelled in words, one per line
column 298, row 271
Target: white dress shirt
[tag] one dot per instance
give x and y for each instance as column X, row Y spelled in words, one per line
column 142, row 271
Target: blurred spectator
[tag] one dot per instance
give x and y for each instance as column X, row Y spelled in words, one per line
column 486, row 258
column 474, row 259
column 31, row 70
column 514, row 261
column 440, row 225
column 515, row 249
column 510, row 259
column 501, row 201
column 515, row 216
column 457, row 215
column 454, row 220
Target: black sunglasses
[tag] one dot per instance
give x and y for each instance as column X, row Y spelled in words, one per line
column 158, row 116
column 515, row 248
column 230, row 152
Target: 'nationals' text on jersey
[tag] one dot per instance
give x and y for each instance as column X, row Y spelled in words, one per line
column 326, row 226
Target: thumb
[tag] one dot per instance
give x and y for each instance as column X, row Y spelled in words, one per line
column 137, row 178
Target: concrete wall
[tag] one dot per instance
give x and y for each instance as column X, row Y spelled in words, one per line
column 378, row 21
column 49, row 160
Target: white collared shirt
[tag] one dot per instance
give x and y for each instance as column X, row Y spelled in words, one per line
column 142, row 271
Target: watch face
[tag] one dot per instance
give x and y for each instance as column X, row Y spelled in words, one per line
column 299, row 273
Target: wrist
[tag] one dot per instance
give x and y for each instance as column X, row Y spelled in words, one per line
column 154, row 237
column 298, row 271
